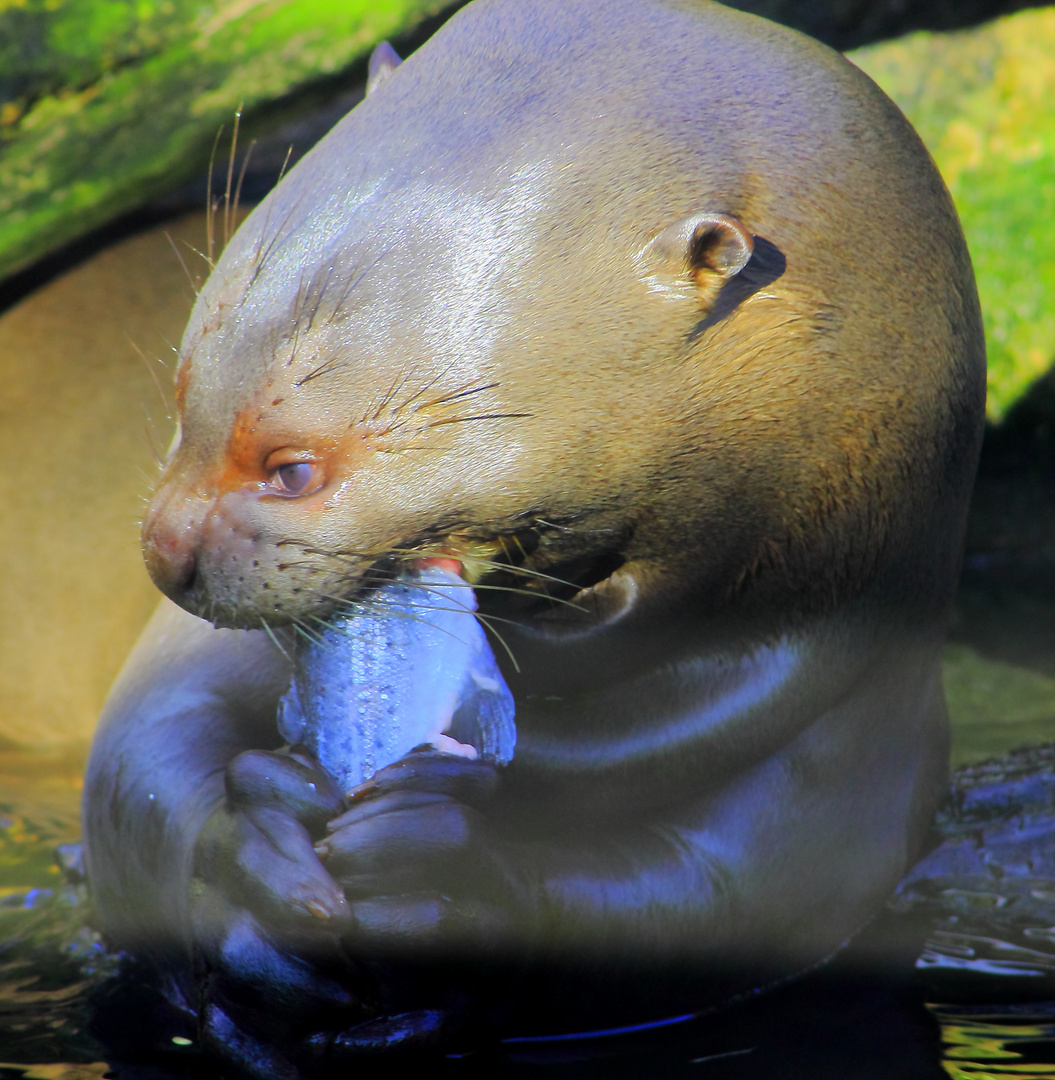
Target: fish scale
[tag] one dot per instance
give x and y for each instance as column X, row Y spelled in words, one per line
column 408, row 666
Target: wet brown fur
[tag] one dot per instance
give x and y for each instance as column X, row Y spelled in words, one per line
column 656, row 300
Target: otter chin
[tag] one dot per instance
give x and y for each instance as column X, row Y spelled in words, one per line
column 656, row 319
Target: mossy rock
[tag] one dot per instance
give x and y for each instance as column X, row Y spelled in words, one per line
column 983, row 101
column 106, row 103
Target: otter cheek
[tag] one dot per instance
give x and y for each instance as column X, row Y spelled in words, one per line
column 229, row 548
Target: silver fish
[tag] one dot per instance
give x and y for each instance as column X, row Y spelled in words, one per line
column 409, row 666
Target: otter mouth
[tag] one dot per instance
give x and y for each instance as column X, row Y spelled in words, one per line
column 531, row 574
column 531, row 592
column 541, row 573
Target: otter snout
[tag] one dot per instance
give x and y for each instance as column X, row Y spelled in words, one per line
column 171, row 539
column 218, row 556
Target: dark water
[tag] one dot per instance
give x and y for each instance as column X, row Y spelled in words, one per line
column 956, row 979
column 49, row 958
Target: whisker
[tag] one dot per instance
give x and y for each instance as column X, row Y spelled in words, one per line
column 274, row 640
column 230, row 177
column 513, row 591
column 186, row 269
column 210, row 205
column 481, row 416
column 500, row 567
column 285, row 165
column 353, row 280
column 262, row 261
column 493, row 566
column 148, row 482
column 373, row 608
column 295, row 341
column 267, row 222
column 486, row 620
column 397, row 385
column 148, row 430
column 374, row 573
column 260, row 256
column 318, row 300
column 241, row 177
column 315, row 637
column 312, row 549
column 327, row 367
column 425, row 389
column 467, row 391
column 150, row 368
column 201, row 255
column 402, row 449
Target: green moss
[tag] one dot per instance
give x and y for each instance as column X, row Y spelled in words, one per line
column 983, row 101
column 995, row 707
column 104, row 103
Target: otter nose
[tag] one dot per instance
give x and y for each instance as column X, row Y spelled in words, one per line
column 170, row 537
column 172, row 569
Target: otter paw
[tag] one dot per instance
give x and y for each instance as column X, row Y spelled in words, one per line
column 418, row 861
column 256, row 849
column 267, row 921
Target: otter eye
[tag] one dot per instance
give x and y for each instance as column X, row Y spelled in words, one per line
column 295, row 477
column 293, row 470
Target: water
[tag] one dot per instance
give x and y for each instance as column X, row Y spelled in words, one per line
column 49, row 958
column 956, row 979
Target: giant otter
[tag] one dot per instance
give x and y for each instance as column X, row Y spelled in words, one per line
column 658, row 319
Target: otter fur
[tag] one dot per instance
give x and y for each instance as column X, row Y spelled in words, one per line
column 657, row 318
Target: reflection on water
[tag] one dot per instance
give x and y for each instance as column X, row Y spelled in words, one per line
column 956, row 979
column 983, row 1043
column 49, row 959
column 987, row 896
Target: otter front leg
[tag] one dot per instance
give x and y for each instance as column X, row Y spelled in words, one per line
column 566, row 920
column 199, row 848
column 285, row 973
column 197, row 839
column 189, row 699
column 266, row 920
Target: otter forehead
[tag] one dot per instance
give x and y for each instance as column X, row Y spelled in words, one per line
column 519, row 158
column 413, row 274
column 466, row 205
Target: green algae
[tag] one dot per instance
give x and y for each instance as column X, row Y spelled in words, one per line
column 995, row 706
column 983, row 101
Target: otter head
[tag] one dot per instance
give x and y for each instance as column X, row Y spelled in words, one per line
column 508, row 315
column 415, row 388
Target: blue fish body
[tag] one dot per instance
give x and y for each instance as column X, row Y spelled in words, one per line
column 410, row 665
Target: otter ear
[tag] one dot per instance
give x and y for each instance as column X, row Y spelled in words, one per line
column 383, row 61
column 695, row 256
